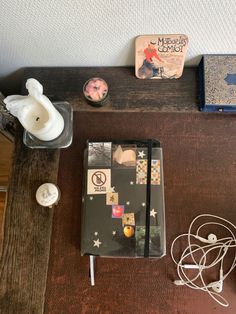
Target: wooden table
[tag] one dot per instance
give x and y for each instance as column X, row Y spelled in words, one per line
column 41, row 269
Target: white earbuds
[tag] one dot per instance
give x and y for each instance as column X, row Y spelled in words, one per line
column 196, row 257
column 212, row 238
column 216, row 286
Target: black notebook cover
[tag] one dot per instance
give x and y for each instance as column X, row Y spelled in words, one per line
column 123, row 202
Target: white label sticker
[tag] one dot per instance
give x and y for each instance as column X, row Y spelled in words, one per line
column 99, row 181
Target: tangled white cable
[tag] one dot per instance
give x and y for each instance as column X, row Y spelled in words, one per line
column 218, row 247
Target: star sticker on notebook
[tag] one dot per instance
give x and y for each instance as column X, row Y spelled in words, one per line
column 153, row 213
column 97, row 243
column 141, row 154
column 112, row 189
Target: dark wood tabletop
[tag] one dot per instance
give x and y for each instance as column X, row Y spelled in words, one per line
column 41, row 269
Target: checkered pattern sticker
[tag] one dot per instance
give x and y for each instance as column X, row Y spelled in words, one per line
column 141, row 171
column 156, row 176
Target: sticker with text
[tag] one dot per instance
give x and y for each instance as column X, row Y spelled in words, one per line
column 99, row 181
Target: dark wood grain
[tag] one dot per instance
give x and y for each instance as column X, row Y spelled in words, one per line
column 199, row 168
column 126, row 92
column 27, row 231
column 200, row 177
column 2, row 210
column 6, row 148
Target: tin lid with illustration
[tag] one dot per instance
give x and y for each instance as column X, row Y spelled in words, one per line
column 48, row 194
column 160, row 56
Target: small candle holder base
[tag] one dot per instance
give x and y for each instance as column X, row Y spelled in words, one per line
column 62, row 141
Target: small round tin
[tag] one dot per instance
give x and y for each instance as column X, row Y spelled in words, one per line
column 95, row 91
column 48, row 194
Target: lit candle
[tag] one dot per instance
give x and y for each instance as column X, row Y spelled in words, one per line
column 36, row 113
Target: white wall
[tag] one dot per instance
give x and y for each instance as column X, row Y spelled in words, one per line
column 102, row 32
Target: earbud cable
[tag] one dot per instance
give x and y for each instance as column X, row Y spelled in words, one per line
column 219, row 246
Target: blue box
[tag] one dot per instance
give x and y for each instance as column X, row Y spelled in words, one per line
column 217, row 83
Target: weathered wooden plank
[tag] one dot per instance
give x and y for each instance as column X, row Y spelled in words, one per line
column 6, row 148
column 27, row 231
column 126, row 92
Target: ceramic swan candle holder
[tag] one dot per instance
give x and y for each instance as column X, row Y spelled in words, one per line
column 36, row 113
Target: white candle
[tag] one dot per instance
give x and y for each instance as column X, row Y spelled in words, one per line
column 36, row 112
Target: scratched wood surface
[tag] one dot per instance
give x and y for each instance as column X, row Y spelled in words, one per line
column 199, row 152
column 126, row 92
column 27, row 231
column 6, row 148
column 2, row 210
column 200, row 177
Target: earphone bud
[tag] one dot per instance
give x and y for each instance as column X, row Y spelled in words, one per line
column 179, row 282
column 198, row 253
column 217, row 286
column 212, row 238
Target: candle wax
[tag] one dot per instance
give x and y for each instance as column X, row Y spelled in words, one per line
column 36, row 113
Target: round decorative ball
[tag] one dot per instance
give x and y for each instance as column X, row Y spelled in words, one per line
column 128, row 231
column 48, row 194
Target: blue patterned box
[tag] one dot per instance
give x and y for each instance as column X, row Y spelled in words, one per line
column 217, row 83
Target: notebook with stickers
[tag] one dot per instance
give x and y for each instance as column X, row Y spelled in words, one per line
column 123, row 210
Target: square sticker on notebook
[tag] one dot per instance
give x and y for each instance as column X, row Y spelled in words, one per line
column 98, row 181
column 156, row 172
column 141, row 171
column 160, row 56
column 99, row 154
